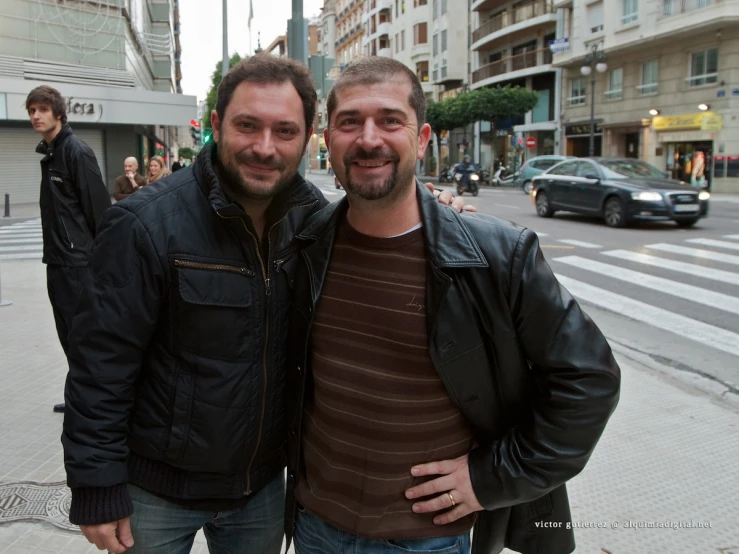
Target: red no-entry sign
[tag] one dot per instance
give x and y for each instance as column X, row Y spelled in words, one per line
column 531, row 142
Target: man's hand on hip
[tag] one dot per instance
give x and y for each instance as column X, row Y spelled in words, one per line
column 114, row 537
column 452, row 490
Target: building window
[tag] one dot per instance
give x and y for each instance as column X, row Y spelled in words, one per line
column 436, row 72
column 397, row 43
column 402, row 39
column 443, row 40
column 615, row 84
column 703, row 67
column 436, row 44
column 649, row 77
column 595, row 17
column 577, row 92
column 417, row 3
column 435, row 8
column 630, row 11
column 422, row 71
column 443, row 7
column 420, row 33
column 443, row 68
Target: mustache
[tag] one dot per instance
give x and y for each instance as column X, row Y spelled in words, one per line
column 271, row 162
column 361, row 155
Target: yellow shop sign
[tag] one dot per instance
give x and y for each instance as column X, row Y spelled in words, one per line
column 704, row 121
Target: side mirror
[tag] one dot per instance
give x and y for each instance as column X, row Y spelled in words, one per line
column 592, row 176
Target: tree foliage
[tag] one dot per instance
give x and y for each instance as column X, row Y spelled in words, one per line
column 212, row 96
column 186, row 152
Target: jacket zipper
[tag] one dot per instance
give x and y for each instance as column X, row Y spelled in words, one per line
column 217, row 267
column 268, row 292
column 69, row 240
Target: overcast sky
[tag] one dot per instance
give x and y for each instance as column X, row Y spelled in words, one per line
column 201, row 37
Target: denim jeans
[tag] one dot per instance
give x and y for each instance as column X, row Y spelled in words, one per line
column 162, row 527
column 314, row 536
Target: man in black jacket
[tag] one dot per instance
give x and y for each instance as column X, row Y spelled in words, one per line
column 456, row 352
column 73, row 198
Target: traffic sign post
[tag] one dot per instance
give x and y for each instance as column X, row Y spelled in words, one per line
column 531, row 142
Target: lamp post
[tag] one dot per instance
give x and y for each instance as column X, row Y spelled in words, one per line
column 594, row 61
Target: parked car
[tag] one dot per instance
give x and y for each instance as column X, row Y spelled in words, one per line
column 536, row 166
column 621, row 190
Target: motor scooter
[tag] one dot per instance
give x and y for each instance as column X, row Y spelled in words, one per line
column 502, row 177
column 467, row 181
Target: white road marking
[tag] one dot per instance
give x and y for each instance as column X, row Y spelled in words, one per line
column 695, row 252
column 733, row 237
column 692, row 329
column 580, row 243
column 683, row 291
column 508, row 206
column 715, row 243
column 682, row 267
column 17, row 241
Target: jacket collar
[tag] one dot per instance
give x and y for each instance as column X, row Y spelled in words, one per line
column 449, row 243
column 44, row 148
column 298, row 193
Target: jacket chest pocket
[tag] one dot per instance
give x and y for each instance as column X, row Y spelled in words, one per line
column 61, row 184
column 214, row 311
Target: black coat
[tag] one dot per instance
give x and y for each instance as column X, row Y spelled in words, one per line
column 73, row 199
column 532, row 374
column 178, row 350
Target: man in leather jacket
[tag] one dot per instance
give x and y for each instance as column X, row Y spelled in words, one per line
column 436, row 340
column 73, row 198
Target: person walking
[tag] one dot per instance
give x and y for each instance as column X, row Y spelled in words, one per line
column 156, row 169
column 440, row 377
column 72, row 201
column 130, row 181
column 178, row 164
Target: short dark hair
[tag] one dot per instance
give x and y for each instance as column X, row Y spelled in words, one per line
column 51, row 97
column 371, row 70
column 264, row 69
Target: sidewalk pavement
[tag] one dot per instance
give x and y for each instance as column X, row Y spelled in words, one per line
column 668, row 457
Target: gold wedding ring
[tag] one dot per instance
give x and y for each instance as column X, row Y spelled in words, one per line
column 451, row 498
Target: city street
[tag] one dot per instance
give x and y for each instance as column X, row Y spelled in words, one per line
column 667, row 460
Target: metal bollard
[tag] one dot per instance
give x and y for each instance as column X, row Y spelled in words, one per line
column 3, row 302
column 7, row 205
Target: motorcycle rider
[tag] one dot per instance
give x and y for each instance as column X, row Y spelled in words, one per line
column 467, row 168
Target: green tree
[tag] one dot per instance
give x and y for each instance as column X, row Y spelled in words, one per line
column 186, row 152
column 212, row 96
column 495, row 103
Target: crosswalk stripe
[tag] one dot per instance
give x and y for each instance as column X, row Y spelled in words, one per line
column 25, row 234
column 733, row 237
column 580, row 243
column 541, row 234
column 684, row 291
column 20, row 248
column 682, row 267
column 695, row 252
column 704, row 333
column 27, row 256
column 716, row 243
column 18, row 241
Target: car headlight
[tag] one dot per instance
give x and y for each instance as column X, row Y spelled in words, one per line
column 646, row 196
column 704, row 195
column 474, row 177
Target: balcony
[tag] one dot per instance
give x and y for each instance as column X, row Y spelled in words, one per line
column 385, row 52
column 519, row 63
column 524, row 17
column 672, row 8
column 487, row 5
column 380, row 5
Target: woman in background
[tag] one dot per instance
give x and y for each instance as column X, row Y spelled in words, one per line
column 156, row 169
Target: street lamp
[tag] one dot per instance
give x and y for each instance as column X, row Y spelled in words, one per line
column 594, row 61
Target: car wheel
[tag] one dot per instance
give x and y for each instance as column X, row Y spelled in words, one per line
column 614, row 213
column 527, row 187
column 687, row 222
column 543, row 209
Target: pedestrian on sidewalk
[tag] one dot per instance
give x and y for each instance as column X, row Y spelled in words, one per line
column 156, row 169
column 176, row 389
column 72, row 201
column 130, row 181
column 444, row 379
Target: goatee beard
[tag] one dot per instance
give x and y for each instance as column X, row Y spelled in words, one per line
column 371, row 192
column 233, row 180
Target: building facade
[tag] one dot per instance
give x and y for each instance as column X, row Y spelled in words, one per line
column 117, row 65
column 669, row 94
column 349, row 30
column 511, row 46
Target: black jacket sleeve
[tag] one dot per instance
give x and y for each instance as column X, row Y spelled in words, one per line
column 577, row 388
column 93, row 193
column 116, row 318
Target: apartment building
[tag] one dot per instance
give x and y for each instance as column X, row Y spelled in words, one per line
column 669, row 92
column 118, row 65
column 349, row 30
column 511, row 46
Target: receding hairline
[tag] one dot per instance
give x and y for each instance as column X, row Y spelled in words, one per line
column 131, row 159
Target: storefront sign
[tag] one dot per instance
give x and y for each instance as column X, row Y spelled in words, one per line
column 559, row 45
column 706, row 121
column 502, row 132
column 686, row 136
column 735, row 92
column 582, row 129
column 77, row 107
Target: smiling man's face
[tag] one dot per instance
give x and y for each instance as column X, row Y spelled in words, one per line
column 374, row 140
column 261, row 139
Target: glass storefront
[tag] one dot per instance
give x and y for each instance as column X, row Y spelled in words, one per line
column 690, row 162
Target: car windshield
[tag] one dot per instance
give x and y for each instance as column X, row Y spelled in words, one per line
column 618, row 169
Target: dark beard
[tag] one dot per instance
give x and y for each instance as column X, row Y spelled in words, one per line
column 234, row 181
column 387, row 186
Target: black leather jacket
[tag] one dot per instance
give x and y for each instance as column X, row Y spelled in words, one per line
column 178, row 350
column 73, row 198
column 529, row 370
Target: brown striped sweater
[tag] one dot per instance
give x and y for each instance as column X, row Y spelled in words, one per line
column 377, row 406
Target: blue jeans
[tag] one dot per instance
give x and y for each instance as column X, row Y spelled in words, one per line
column 162, row 527
column 315, row 536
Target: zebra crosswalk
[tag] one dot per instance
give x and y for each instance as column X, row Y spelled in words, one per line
column 21, row 241
column 689, row 290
